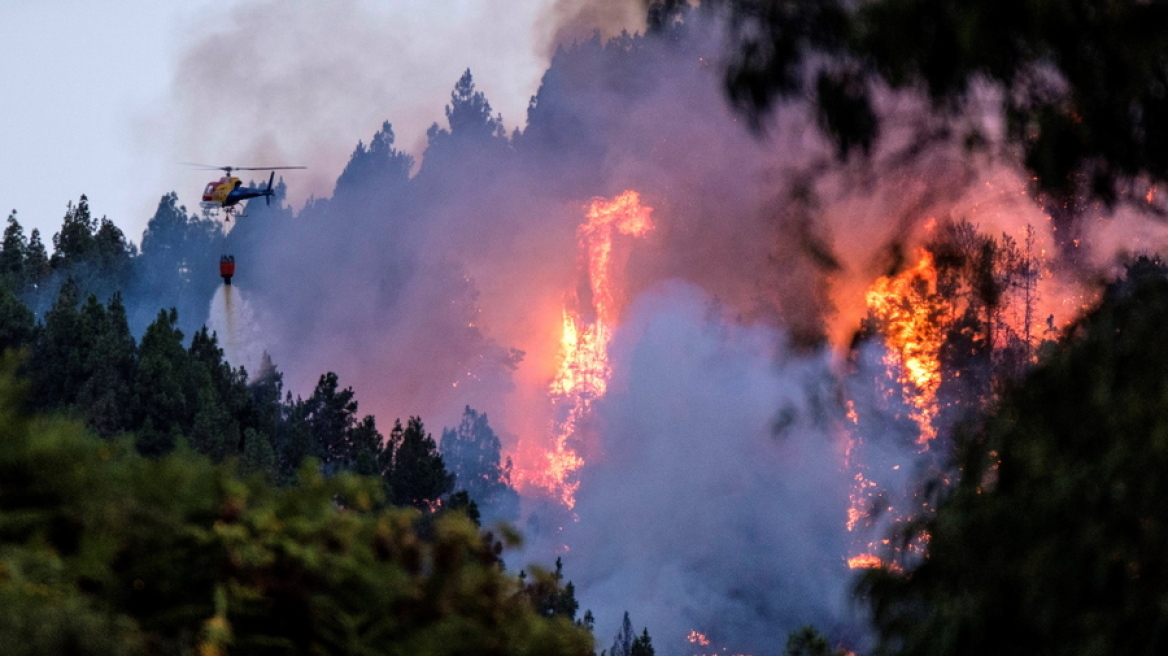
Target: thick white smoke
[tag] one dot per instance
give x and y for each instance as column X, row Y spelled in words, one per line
column 696, row 513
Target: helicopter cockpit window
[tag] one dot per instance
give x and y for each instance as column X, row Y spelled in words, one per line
column 210, row 189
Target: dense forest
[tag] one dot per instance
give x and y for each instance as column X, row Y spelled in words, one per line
column 156, row 498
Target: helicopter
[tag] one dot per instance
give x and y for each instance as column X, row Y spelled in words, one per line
column 226, row 193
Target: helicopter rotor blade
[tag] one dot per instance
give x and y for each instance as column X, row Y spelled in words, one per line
column 265, row 168
column 210, row 167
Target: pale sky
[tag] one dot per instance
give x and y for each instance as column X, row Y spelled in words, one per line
column 107, row 97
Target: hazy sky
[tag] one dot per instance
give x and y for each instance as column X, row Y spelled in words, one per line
column 106, row 98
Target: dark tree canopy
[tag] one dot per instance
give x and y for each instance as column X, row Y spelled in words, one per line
column 1081, row 84
column 1052, row 540
column 417, row 475
column 472, row 453
column 107, row 552
column 378, row 164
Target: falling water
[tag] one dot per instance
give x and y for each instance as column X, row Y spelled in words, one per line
column 231, row 317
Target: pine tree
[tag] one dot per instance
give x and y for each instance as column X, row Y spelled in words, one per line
column 218, row 396
column 266, row 390
column 57, row 366
column 376, row 166
column 258, row 455
column 161, row 385
column 36, row 265
column 642, row 646
column 294, row 442
column 622, row 643
column 331, row 414
column 106, row 396
column 75, row 242
column 417, row 475
column 13, row 253
column 469, row 113
column 807, row 641
column 17, row 322
column 1047, row 534
column 367, row 446
column 472, row 454
column 473, row 132
column 179, row 261
column 551, row 597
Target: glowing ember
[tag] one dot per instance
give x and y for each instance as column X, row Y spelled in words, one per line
column 865, row 561
column 582, row 376
column 697, row 638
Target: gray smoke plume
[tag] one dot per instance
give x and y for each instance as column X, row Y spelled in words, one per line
column 563, row 23
column 695, row 513
column 270, row 82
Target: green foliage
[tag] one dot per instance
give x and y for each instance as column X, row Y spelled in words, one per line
column 179, row 263
column 160, row 385
column 807, row 641
column 105, row 397
column 36, row 265
column 643, row 645
column 13, row 253
column 331, row 414
column 58, row 366
column 1052, row 539
column 417, row 475
column 220, row 395
column 75, row 242
column 258, row 455
column 17, row 323
column 550, row 596
column 104, row 551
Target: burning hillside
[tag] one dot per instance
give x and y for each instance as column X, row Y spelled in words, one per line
column 727, row 396
column 583, row 371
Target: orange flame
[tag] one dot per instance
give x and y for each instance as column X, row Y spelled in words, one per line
column 697, row 638
column 865, row 561
column 583, row 372
column 910, row 316
column 911, row 319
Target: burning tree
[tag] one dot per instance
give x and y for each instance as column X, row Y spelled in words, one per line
column 583, row 372
column 1052, row 540
column 948, row 333
column 957, row 325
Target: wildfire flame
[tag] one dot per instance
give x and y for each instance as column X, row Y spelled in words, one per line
column 700, row 640
column 911, row 321
column 866, row 561
column 697, row 638
column 910, row 318
column 583, row 372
